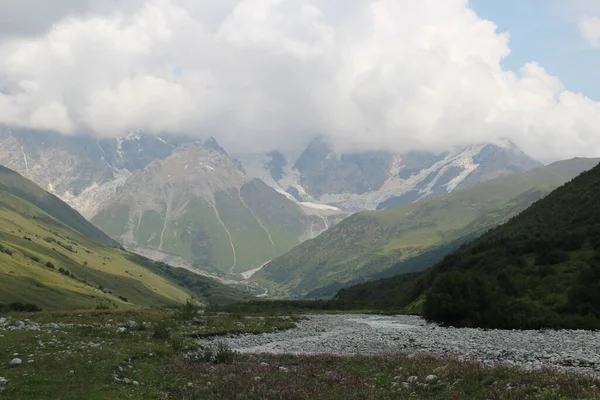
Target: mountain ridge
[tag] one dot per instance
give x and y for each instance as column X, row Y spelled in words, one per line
column 47, row 262
column 370, row 242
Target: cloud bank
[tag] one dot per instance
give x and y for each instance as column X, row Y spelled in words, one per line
column 265, row 74
column 590, row 30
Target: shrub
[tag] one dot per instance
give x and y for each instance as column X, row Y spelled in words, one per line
column 19, row 307
column 5, row 250
column 161, row 331
column 177, row 343
column 219, row 353
column 190, row 309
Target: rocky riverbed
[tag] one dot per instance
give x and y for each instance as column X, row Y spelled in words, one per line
column 575, row 351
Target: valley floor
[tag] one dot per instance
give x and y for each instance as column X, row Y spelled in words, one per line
column 572, row 351
column 153, row 354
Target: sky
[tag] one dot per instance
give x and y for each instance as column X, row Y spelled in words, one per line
column 260, row 75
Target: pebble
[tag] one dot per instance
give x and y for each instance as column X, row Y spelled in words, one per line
column 569, row 350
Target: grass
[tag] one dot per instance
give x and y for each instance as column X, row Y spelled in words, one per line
column 88, row 359
column 38, row 250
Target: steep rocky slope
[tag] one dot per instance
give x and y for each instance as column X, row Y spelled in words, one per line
column 81, row 170
column 380, row 179
column 197, row 204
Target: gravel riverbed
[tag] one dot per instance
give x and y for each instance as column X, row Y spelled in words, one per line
column 575, row 351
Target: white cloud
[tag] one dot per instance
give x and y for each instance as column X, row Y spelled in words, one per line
column 260, row 74
column 590, row 30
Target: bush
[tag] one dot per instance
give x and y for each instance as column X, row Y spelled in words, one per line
column 161, row 331
column 552, row 257
column 220, row 353
column 50, row 265
column 19, row 307
column 177, row 343
column 5, row 250
column 190, row 309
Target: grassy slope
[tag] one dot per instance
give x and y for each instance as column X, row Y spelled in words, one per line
column 35, row 238
column 370, row 242
column 15, row 184
column 263, row 224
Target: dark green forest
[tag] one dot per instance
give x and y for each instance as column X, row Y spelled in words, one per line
column 539, row 270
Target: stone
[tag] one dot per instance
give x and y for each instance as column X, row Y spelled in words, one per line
column 19, row 324
column 2, row 321
column 431, row 378
column 412, row 379
column 15, row 362
column 135, row 383
column 121, row 330
column 3, row 381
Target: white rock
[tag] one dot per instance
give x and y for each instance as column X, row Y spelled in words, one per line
column 15, row 362
column 121, row 330
column 412, row 379
column 3, row 381
column 136, row 383
column 431, row 378
column 2, row 321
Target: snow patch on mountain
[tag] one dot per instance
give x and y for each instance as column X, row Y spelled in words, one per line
column 317, row 206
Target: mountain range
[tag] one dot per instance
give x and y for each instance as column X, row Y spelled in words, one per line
column 188, row 202
column 51, row 256
column 369, row 243
column 382, row 179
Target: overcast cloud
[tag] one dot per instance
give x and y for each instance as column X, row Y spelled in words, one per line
column 263, row 74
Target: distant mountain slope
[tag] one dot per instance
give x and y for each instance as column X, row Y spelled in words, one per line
column 542, row 268
column 81, row 170
column 370, row 243
column 197, row 204
column 381, row 179
column 13, row 183
column 47, row 262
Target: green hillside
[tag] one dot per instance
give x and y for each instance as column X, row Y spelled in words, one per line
column 13, row 183
column 369, row 243
column 541, row 269
column 46, row 262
